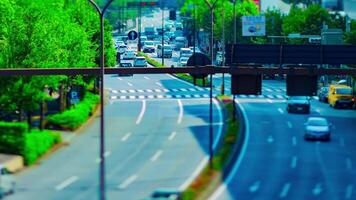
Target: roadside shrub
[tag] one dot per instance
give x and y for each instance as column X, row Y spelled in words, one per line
column 74, row 117
column 14, row 139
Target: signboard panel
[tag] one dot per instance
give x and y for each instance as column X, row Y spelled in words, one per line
column 246, row 84
column 253, row 26
column 298, row 85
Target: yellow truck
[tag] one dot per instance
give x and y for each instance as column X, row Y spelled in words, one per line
column 340, row 96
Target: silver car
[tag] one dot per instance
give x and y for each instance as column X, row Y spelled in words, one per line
column 317, row 128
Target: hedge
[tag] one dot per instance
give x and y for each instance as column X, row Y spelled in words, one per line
column 14, row 139
column 74, row 117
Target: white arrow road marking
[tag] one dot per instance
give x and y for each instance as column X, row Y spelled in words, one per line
column 280, row 110
column 289, row 124
column 270, row 139
column 348, row 164
column 145, row 77
column 255, row 186
column 143, row 109
column 172, row 136
column 66, row 183
column 294, row 161
column 156, row 155
column 317, row 189
column 348, row 193
column 181, row 112
column 294, row 141
column 285, row 190
column 159, row 84
column 128, row 181
column 126, row 137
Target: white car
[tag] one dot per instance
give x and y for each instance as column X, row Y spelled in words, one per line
column 185, row 52
column 317, row 128
column 149, row 47
column 7, row 182
column 140, row 61
column 122, row 48
column 183, row 61
column 129, row 54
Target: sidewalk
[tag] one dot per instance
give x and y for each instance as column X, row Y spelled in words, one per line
column 13, row 163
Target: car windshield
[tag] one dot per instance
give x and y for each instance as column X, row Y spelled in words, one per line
column 346, row 91
column 184, row 59
column 167, row 47
column 298, row 98
column 317, row 122
column 149, row 43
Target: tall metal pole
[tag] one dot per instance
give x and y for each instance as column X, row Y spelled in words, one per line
column 211, row 136
column 162, row 9
column 223, row 51
column 102, row 70
column 234, row 15
column 194, row 27
column 139, row 26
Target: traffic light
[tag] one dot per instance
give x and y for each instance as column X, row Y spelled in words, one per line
column 142, row 3
column 172, row 15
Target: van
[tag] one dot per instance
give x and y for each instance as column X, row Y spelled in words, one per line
column 340, row 96
column 164, row 51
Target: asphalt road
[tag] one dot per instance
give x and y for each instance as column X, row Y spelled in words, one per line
column 153, row 140
column 277, row 163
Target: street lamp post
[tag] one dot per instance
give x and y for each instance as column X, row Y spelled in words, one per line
column 162, row 33
column 102, row 70
column 211, row 136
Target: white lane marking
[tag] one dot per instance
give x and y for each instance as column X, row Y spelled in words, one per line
column 143, row 109
column 130, row 84
column 348, row 164
column 317, row 189
column 289, row 124
column 159, row 84
column 128, row 181
column 205, row 160
column 280, row 110
column 107, row 153
column 348, row 192
column 181, row 112
column 149, row 90
column 270, row 139
column 237, row 164
column 126, row 136
column 294, row 141
column 269, row 100
column 294, row 161
column 141, row 91
column 172, row 135
column 114, row 91
column 342, row 142
column 279, row 96
column 285, row 190
column 132, row 91
column 156, row 155
column 268, row 90
column 145, row 77
column 255, row 186
column 270, row 96
column 66, row 183
column 120, row 79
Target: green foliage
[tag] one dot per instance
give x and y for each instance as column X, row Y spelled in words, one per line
column 14, row 139
column 351, row 37
column 71, row 119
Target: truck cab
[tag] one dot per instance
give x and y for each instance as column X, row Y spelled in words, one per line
column 340, row 96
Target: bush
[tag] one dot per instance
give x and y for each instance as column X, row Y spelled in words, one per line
column 71, row 119
column 14, row 139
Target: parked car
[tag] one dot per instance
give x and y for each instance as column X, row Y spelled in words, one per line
column 7, row 182
column 164, row 51
column 323, row 94
column 129, row 54
column 179, row 26
column 298, row 104
column 183, row 61
column 149, row 47
column 340, row 96
column 317, row 128
column 140, row 61
column 125, row 65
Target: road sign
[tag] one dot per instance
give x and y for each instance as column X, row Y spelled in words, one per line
column 199, row 59
column 299, row 85
column 246, row 84
column 253, row 26
column 132, row 35
column 74, row 97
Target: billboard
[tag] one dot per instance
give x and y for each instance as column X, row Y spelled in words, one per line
column 253, row 26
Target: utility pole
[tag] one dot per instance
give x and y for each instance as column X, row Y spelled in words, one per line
column 139, row 26
column 211, row 136
column 162, row 9
column 223, row 51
